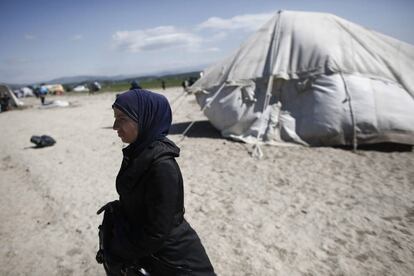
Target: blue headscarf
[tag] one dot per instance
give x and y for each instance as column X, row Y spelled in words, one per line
column 152, row 113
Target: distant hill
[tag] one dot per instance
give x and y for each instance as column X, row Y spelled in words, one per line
column 181, row 73
column 90, row 78
column 80, row 79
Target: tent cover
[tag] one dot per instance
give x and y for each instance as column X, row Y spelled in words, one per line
column 6, row 91
column 314, row 79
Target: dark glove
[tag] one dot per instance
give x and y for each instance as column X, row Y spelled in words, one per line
column 110, row 206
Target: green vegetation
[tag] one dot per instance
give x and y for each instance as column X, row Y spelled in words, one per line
column 150, row 82
column 115, row 87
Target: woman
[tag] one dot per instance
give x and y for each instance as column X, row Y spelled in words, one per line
column 145, row 229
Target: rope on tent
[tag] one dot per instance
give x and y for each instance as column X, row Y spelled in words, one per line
column 354, row 130
column 208, row 104
column 178, row 97
column 179, row 101
column 257, row 151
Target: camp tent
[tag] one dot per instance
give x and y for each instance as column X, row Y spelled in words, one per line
column 55, row 89
column 80, row 88
column 5, row 91
column 94, row 86
column 26, row 92
column 314, row 79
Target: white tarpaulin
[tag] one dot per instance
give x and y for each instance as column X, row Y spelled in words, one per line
column 6, row 91
column 335, row 82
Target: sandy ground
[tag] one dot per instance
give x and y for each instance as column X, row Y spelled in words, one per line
column 298, row 211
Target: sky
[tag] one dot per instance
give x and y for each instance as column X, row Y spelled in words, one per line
column 41, row 40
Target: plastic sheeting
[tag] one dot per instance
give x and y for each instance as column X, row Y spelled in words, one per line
column 294, row 45
column 340, row 81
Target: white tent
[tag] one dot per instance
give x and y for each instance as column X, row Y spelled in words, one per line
column 26, row 92
column 80, row 88
column 315, row 79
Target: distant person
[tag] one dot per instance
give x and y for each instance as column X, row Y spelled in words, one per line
column 35, row 89
column 145, row 229
column 163, row 84
column 4, row 102
column 42, row 93
column 191, row 81
column 135, row 85
column 94, row 87
column 184, row 84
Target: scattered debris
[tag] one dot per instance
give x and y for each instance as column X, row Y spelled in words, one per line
column 42, row 141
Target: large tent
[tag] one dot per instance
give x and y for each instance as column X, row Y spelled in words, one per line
column 314, row 79
column 5, row 91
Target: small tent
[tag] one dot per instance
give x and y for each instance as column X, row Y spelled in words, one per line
column 94, row 86
column 314, row 79
column 81, row 88
column 26, row 92
column 55, row 89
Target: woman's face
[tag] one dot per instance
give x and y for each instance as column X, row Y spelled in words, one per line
column 126, row 128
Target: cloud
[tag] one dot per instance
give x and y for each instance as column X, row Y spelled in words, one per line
column 213, row 49
column 246, row 22
column 169, row 37
column 29, row 36
column 159, row 38
column 76, row 37
column 219, row 36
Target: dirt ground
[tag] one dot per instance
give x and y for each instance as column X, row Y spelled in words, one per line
column 298, row 211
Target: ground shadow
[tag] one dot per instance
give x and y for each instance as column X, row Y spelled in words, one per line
column 381, row 147
column 200, row 129
column 36, row 147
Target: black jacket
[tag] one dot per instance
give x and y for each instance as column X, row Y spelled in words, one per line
column 150, row 227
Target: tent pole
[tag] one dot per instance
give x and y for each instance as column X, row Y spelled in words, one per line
column 257, row 152
column 202, row 110
column 354, row 130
